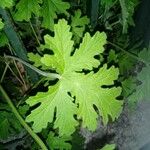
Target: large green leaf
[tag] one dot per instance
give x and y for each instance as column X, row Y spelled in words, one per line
column 76, row 93
column 49, row 11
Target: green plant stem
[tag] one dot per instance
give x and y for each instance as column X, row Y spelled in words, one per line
column 113, row 24
column 128, row 53
column 35, row 85
column 37, row 40
column 125, row 14
column 34, row 33
column 15, row 75
column 21, row 120
column 20, row 74
column 6, row 67
column 43, row 73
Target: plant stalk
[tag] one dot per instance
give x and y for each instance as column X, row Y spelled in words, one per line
column 6, row 67
column 34, row 33
column 43, row 73
column 21, row 120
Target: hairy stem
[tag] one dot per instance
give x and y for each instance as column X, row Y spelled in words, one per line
column 37, row 40
column 43, row 73
column 6, row 67
column 21, row 120
column 20, row 81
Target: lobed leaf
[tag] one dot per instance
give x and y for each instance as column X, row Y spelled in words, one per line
column 78, row 24
column 36, row 58
column 25, row 9
column 127, row 8
column 8, row 124
column 60, row 143
column 143, row 89
column 76, row 96
column 49, row 11
column 83, row 57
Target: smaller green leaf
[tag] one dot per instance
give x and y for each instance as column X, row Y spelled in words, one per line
column 56, row 142
column 128, row 86
column 9, row 125
column 127, row 8
column 6, row 3
column 36, row 58
column 78, row 141
column 78, row 24
column 23, row 109
column 3, row 39
column 107, row 3
column 1, row 24
column 49, row 11
column 126, row 63
column 25, row 9
column 108, row 147
column 145, row 55
column 125, row 15
column 3, row 106
column 4, row 126
column 143, row 89
column 112, row 56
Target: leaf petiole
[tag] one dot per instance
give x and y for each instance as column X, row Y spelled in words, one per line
column 43, row 73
